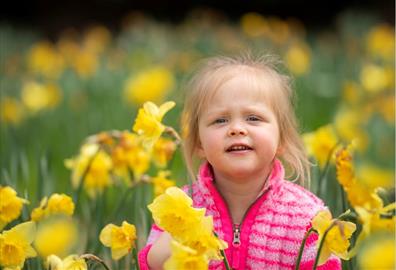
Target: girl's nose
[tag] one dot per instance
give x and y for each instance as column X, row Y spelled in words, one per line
column 236, row 130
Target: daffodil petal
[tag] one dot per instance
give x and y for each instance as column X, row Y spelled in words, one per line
column 30, row 252
column 324, row 255
column 177, row 193
column 116, row 254
column 321, row 221
column 53, row 262
column 27, row 230
column 151, row 108
column 388, row 208
column 105, row 234
column 164, row 108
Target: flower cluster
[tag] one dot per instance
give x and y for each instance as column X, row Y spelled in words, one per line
column 373, row 214
column 109, row 156
column 194, row 242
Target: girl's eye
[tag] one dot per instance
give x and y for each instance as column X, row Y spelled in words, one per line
column 220, row 121
column 253, row 118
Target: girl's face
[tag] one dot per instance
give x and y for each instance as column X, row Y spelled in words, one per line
column 238, row 131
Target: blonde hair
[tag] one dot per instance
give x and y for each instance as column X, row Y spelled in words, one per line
column 214, row 72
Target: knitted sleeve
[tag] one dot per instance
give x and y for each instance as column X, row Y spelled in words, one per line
column 142, row 256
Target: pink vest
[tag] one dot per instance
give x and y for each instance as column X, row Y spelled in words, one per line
column 271, row 232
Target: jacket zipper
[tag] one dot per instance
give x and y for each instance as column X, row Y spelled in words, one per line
column 237, row 228
column 236, row 243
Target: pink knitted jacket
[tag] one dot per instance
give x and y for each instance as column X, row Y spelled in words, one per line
column 271, row 232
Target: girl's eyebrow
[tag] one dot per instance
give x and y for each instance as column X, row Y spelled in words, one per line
column 247, row 109
column 215, row 111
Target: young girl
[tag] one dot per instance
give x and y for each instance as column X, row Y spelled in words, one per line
column 240, row 125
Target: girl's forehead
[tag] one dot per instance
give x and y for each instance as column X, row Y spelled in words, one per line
column 243, row 82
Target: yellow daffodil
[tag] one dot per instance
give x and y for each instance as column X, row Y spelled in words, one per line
column 254, row 24
column 360, row 195
column 36, row 96
column 15, row 245
column 129, row 155
column 44, row 59
column 71, row 262
column 60, row 203
column 10, row 205
column 173, row 212
column 163, row 151
column 152, row 84
column 298, row 58
column 378, row 254
column 56, row 236
column 375, row 78
column 11, row 110
column 121, row 239
column 95, row 165
column 148, row 121
column 185, row 258
column 56, row 204
column 161, row 182
column 321, row 144
column 381, row 41
column 337, row 238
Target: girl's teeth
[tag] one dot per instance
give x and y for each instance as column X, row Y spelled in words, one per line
column 237, row 148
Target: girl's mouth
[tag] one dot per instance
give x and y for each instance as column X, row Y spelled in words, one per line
column 238, row 147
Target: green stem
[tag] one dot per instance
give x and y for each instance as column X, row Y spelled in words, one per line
column 135, row 257
column 173, row 133
column 95, row 259
column 321, row 245
column 300, row 252
column 225, row 261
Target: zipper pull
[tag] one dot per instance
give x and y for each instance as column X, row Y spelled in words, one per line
column 236, row 242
